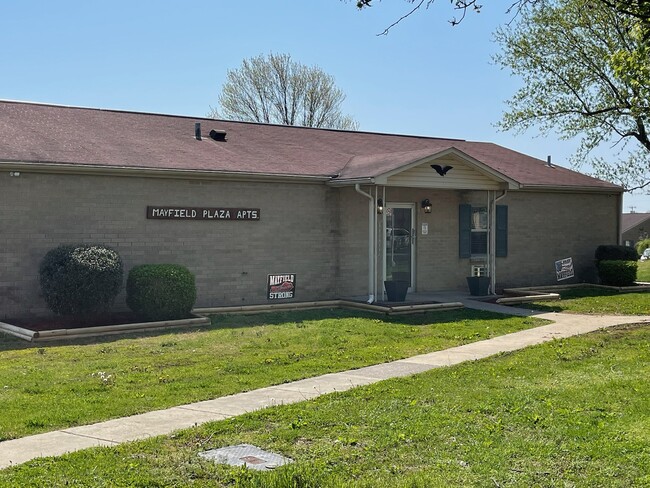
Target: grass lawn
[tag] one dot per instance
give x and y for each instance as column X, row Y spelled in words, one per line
column 43, row 388
column 571, row 412
column 643, row 272
column 597, row 301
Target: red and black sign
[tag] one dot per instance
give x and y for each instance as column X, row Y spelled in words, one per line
column 202, row 213
column 281, row 286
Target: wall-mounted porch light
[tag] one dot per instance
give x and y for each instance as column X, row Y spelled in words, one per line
column 380, row 206
column 426, row 205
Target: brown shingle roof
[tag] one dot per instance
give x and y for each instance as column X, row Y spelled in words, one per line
column 630, row 220
column 69, row 135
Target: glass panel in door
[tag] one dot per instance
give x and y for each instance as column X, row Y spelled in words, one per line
column 399, row 247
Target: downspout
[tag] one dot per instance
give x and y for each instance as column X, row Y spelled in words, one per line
column 619, row 217
column 375, row 253
column 493, row 241
column 371, row 241
column 490, row 236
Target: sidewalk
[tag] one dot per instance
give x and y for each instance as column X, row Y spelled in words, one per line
column 162, row 422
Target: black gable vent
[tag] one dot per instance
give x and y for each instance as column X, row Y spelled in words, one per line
column 218, row 135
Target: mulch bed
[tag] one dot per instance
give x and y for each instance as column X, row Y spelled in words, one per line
column 53, row 323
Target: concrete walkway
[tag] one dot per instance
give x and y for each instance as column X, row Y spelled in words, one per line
column 161, row 422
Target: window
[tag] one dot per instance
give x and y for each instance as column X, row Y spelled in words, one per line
column 479, row 228
column 473, row 231
column 479, row 271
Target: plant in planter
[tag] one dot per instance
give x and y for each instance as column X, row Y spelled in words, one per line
column 396, row 290
column 397, row 286
column 478, row 285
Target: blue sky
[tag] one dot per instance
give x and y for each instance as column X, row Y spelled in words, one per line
column 424, row 78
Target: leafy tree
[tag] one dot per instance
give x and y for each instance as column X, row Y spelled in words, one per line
column 276, row 89
column 585, row 73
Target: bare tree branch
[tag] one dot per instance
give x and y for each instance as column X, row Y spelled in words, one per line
column 275, row 89
column 639, row 9
column 385, row 32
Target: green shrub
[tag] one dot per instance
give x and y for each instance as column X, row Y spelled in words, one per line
column 615, row 253
column 617, row 273
column 160, row 291
column 80, row 280
column 642, row 246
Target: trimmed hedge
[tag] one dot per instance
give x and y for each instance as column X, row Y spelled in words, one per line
column 161, row 291
column 80, row 280
column 617, row 273
column 615, row 253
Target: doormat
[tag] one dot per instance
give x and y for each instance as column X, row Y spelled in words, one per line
column 246, row 455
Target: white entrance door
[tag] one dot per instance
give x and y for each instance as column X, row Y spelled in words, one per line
column 399, row 246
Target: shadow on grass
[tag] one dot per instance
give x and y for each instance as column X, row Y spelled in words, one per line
column 578, row 293
column 237, row 321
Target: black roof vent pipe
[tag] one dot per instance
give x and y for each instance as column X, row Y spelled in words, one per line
column 218, row 135
column 197, row 130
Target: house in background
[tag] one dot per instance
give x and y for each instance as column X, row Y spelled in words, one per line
column 634, row 228
column 263, row 213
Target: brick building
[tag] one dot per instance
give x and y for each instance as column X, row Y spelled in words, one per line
column 236, row 202
column 634, row 228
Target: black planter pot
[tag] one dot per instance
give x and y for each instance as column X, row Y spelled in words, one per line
column 396, row 290
column 478, row 285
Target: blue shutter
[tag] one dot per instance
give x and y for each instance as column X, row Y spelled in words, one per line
column 464, row 230
column 502, row 231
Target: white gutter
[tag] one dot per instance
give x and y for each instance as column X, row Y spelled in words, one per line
column 573, row 188
column 369, row 180
column 371, row 242
column 87, row 169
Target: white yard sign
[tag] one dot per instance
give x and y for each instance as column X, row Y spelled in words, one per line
column 564, row 269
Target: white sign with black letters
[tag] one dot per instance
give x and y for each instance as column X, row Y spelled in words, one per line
column 564, row 269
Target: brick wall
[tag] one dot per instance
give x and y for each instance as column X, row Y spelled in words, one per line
column 297, row 233
column 438, row 266
column 636, row 233
column 545, row 227
column 318, row 232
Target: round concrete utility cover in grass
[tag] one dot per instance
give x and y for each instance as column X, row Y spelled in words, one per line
column 245, row 454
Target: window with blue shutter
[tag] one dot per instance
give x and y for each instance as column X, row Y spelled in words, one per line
column 472, row 231
column 502, row 231
column 464, row 230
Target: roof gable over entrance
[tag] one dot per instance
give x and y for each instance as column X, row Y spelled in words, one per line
column 449, row 169
column 456, row 174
